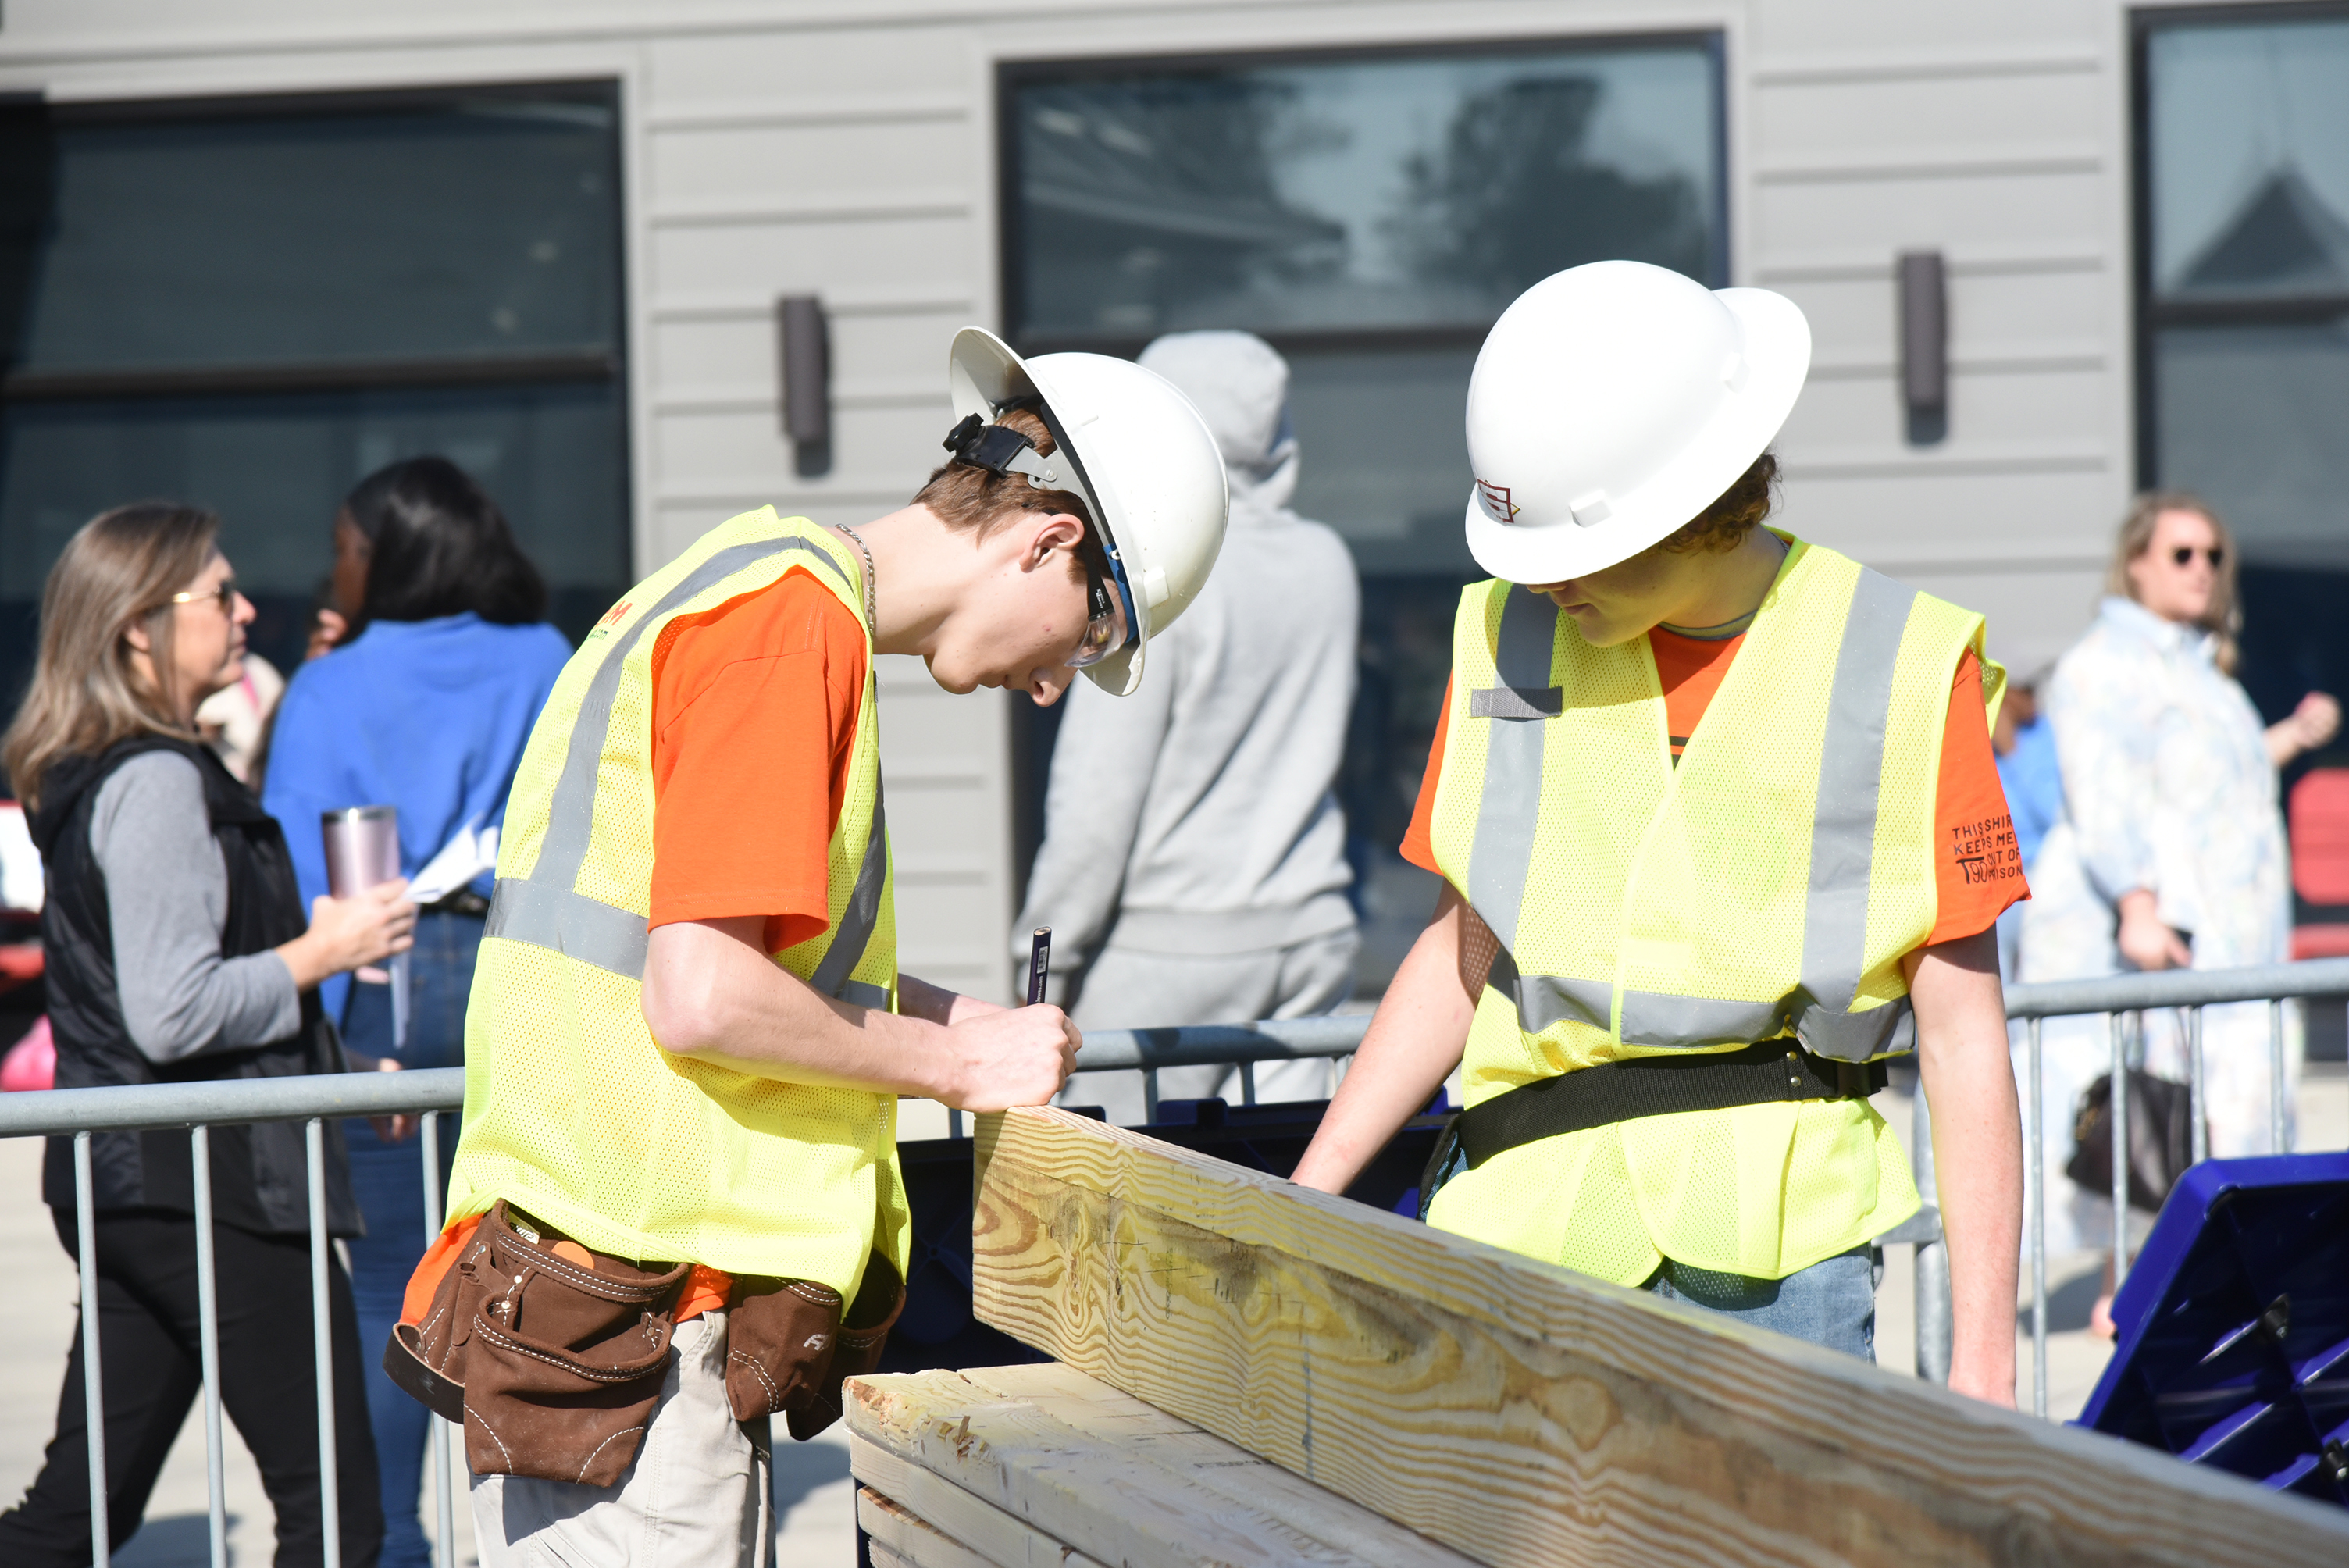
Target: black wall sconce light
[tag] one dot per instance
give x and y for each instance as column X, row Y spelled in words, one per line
column 807, row 381
column 1925, row 347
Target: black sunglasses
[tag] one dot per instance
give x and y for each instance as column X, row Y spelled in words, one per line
column 2184, row 555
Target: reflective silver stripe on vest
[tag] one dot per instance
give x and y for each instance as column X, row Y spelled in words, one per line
column 1843, row 845
column 546, row 909
column 1516, row 702
column 1843, row 829
column 860, row 913
column 1502, row 850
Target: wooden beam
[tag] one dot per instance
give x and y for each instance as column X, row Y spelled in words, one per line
column 969, row 1519
column 1524, row 1414
column 1014, row 1461
column 913, row 1540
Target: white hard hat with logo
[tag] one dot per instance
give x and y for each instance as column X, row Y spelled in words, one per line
column 1127, row 442
column 1613, row 403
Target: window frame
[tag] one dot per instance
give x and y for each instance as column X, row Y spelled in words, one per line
column 1012, row 75
column 2149, row 313
column 422, row 372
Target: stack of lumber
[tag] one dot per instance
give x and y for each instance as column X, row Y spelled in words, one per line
column 1254, row 1373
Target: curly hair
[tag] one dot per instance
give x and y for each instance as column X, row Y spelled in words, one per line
column 1734, row 512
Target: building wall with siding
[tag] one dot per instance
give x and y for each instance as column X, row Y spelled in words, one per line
column 848, row 150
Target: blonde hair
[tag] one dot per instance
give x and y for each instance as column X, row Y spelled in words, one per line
column 2222, row 617
column 119, row 570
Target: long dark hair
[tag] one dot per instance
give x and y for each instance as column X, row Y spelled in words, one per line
column 441, row 547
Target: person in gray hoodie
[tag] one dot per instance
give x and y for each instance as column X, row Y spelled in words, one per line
column 1194, row 862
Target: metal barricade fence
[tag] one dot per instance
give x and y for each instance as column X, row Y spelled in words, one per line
column 199, row 1107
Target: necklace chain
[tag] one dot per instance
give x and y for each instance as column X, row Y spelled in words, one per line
column 872, row 619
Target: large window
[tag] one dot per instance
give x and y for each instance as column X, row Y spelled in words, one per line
column 251, row 303
column 1369, row 214
column 2243, row 294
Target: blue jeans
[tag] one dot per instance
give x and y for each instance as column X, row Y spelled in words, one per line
column 389, row 1182
column 1832, row 1303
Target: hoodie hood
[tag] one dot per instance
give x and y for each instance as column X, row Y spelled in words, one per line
column 1240, row 385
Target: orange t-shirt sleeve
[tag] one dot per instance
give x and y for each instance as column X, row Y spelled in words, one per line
column 755, row 706
column 1418, row 846
column 1977, row 870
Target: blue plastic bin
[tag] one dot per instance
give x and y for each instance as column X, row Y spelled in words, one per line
column 2234, row 1327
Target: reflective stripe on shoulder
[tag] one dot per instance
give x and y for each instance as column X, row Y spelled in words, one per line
column 546, row 909
column 1510, row 806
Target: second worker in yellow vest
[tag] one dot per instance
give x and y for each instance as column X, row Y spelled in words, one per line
column 1670, row 968
column 676, row 1209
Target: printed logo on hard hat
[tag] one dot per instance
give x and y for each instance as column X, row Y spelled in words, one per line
column 1497, row 504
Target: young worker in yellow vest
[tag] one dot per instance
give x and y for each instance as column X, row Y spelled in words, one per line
column 676, row 1208
column 1675, row 950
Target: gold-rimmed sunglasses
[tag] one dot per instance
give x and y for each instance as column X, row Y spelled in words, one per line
column 224, row 596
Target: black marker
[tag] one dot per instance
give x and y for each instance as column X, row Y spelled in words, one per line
column 1039, row 963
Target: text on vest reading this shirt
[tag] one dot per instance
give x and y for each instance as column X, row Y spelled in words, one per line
column 755, row 707
column 1977, row 872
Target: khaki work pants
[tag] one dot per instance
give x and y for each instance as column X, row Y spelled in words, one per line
column 697, row 1494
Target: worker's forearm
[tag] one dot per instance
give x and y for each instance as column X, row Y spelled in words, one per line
column 711, row 995
column 1413, row 1041
column 1977, row 1154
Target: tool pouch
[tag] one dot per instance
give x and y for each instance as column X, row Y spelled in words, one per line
column 554, row 1368
column 789, row 1347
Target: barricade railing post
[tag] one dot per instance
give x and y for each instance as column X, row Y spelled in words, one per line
column 330, row 1502
column 2117, row 1123
column 2275, row 1076
column 1149, row 1094
column 199, row 1155
column 2198, row 1104
column 444, row 1507
column 1248, row 1083
column 2038, row 1167
column 93, row 1395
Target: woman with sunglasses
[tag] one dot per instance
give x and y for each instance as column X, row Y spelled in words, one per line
column 178, row 952
column 2170, row 852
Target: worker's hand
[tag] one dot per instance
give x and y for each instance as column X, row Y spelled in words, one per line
column 1017, row 1056
column 2144, row 940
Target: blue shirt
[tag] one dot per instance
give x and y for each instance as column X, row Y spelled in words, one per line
column 2034, row 787
column 430, row 716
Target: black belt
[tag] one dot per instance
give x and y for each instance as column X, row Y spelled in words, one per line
column 1626, row 1090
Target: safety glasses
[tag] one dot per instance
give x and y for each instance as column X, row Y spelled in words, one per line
column 1104, row 622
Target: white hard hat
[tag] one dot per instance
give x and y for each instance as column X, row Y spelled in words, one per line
column 1613, row 403
column 1136, row 450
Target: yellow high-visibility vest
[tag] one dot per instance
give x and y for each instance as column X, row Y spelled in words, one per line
column 572, row 1111
column 1771, row 883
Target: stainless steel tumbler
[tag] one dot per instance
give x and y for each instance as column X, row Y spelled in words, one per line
column 363, row 852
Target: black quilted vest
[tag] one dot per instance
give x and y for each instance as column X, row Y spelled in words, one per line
column 260, row 1182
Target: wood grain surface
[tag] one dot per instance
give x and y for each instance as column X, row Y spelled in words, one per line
column 1525, row 1415
column 917, row 1543
column 1070, row 1459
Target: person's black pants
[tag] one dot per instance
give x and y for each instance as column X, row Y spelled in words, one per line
column 151, row 1366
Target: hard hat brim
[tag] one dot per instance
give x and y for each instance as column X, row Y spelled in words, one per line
column 984, row 374
column 1777, row 356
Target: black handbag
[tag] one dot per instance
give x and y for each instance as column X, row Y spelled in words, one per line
column 2161, row 1138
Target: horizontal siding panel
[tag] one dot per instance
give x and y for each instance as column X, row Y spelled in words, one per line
column 806, row 161
column 2051, row 210
column 1810, row 121
column 722, row 68
column 2003, row 317
column 776, row 256
column 1988, row 414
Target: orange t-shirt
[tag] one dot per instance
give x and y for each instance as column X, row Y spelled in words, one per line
column 1977, row 872
column 755, row 704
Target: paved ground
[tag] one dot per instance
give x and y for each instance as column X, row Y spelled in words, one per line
column 813, row 1492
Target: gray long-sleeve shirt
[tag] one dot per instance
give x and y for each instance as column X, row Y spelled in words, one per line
column 167, row 901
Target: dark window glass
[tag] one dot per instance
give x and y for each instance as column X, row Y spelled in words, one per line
column 2243, row 240
column 250, row 304
column 473, row 228
column 1370, row 216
